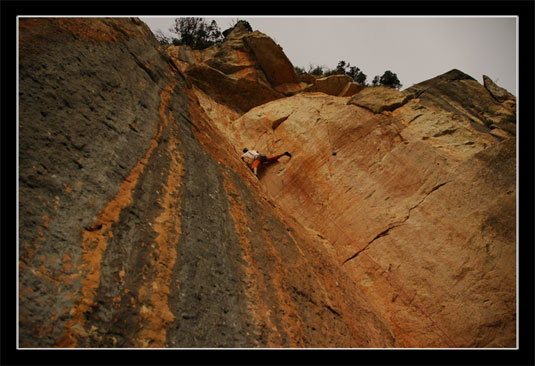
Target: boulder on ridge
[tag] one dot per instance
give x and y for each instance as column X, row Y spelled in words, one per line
column 501, row 94
column 331, row 85
column 380, row 98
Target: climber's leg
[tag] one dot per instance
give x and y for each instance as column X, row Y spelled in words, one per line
column 276, row 157
column 255, row 165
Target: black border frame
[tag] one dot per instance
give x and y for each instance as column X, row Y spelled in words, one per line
column 524, row 355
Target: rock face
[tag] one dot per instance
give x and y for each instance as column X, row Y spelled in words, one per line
column 140, row 227
column 273, row 62
column 499, row 93
column 391, row 225
column 417, row 204
column 247, row 70
column 350, row 89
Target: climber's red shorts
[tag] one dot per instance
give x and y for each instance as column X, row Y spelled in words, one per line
column 256, row 163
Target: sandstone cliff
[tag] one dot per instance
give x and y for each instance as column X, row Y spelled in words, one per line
column 247, row 70
column 393, row 225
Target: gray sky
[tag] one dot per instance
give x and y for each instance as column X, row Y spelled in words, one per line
column 415, row 48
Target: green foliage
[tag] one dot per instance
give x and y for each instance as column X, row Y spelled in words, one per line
column 388, row 79
column 196, row 32
column 341, row 68
column 299, row 70
column 315, row 70
column 375, row 81
column 358, row 76
column 352, row 71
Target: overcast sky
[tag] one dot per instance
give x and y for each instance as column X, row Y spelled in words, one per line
column 415, row 48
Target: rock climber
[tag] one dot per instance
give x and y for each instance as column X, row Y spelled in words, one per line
column 253, row 158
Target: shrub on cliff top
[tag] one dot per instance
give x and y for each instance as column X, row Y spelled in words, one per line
column 342, row 68
column 388, row 79
column 352, row 71
column 196, row 32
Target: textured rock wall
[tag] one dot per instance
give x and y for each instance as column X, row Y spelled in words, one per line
column 81, row 153
column 393, row 225
column 416, row 202
column 140, row 227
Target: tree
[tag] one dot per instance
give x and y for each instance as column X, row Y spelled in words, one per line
column 358, row 76
column 315, row 70
column 299, row 70
column 341, row 67
column 375, row 80
column 388, row 79
column 196, row 32
column 352, row 71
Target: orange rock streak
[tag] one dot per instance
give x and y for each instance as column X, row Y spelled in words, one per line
column 255, row 289
column 95, row 238
column 168, row 228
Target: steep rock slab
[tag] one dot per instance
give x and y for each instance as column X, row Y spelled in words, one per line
column 81, row 154
column 310, row 295
column 456, row 255
column 358, row 178
column 150, row 237
column 340, row 143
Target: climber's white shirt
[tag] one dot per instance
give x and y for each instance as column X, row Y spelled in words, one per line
column 250, row 156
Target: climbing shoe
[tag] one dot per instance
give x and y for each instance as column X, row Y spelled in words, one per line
column 288, row 154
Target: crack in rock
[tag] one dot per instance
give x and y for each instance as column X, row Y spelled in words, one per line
column 445, row 132
column 395, row 224
column 381, row 234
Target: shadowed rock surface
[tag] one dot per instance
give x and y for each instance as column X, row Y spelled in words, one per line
column 138, row 226
column 141, row 227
